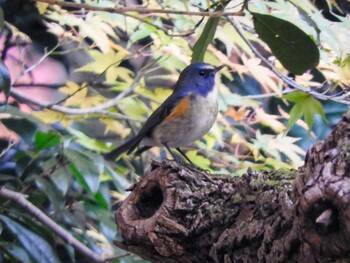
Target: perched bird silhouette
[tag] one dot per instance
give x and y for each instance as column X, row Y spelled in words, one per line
column 184, row 117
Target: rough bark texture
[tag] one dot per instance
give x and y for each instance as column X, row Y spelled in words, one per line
column 180, row 214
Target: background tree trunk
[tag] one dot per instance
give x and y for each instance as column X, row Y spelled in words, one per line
column 180, row 214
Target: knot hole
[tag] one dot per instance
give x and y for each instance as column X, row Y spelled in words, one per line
column 149, row 201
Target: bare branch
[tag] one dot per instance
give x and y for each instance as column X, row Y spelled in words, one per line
column 124, row 10
column 167, row 32
column 47, row 221
column 268, row 95
column 20, row 95
column 100, row 109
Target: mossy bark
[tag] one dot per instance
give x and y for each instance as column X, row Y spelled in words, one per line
column 180, row 214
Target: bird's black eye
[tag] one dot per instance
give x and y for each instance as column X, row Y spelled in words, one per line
column 201, row 73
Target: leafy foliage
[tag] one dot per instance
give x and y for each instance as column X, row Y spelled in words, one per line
column 116, row 68
column 200, row 47
column 296, row 50
column 305, row 105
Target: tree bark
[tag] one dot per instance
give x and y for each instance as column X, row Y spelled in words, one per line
column 180, row 214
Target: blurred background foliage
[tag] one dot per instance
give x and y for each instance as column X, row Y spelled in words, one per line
column 76, row 81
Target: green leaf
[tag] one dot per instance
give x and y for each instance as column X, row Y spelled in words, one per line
column 305, row 105
column 120, row 182
column 293, row 47
column 102, row 61
column 200, row 47
column 5, row 79
column 37, row 247
column 101, row 200
column 199, row 160
column 44, row 140
column 22, row 126
column 52, row 192
column 103, row 216
column 296, row 96
column 21, row 116
column 295, row 114
column 78, row 176
column 86, row 168
column 61, row 179
column 87, row 142
column 16, row 253
column 142, row 32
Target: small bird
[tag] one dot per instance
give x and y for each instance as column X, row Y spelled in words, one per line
column 184, row 117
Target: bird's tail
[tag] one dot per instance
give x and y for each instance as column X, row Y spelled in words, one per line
column 129, row 146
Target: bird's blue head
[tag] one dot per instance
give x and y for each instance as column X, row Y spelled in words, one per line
column 198, row 78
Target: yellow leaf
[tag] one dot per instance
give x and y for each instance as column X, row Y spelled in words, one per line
column 42, row 7
column 124, row 74
column 95, row 29
column 50, row 117
column 91, row 101
column 119, row 48
column 269, row 120
column 199, row 160
column 116, row 127
column 134, row 108
column 71, row 87
column 267, row 79
column 66, row 122
column 79, row 94
column 102, row 61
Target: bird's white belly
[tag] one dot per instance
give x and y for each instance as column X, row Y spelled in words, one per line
column 188, row 128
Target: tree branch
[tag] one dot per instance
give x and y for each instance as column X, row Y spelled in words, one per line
column 20, row 95
column 44, row 219
column 123, row 10
column 99, row 109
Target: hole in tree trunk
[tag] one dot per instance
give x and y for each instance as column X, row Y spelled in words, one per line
column 330, row 224
column 149, row 201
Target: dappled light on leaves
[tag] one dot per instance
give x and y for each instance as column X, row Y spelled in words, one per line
column 82, row 77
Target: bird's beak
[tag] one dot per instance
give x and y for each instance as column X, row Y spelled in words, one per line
column 218, row 68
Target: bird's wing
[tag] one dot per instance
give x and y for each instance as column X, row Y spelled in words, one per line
column 174, row 106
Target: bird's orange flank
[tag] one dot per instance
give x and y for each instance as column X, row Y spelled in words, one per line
column 181, row 108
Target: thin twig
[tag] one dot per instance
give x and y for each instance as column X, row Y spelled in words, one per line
column 123, row 10
column 9, row 146
column 20, row 95
column 21, row 200
column 185, row 34
column 99, row 109
column 41, row 85
column 268, row 95
column 29, row 69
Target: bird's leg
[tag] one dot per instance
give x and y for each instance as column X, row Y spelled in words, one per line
column 204, row 172
column 184, row 155
column 176, row 158
column 188, row 159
